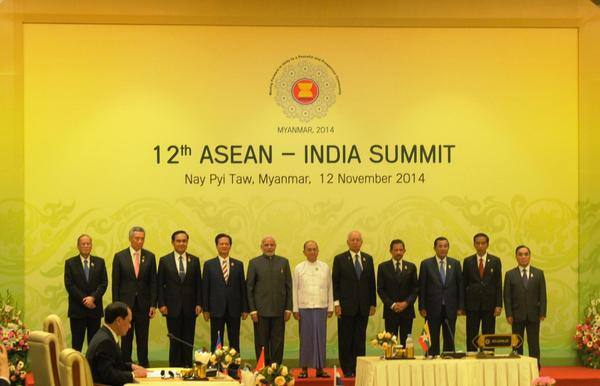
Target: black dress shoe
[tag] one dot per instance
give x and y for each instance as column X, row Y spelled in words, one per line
column 322, row 374
column 303, row 374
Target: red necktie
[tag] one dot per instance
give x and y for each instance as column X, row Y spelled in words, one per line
column 481, row 268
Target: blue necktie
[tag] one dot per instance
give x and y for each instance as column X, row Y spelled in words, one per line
column 357, row 266
column 181, row 270
column 86, row 269
column 442, row 272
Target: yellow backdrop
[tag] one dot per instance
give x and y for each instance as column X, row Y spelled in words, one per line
column 98, row 100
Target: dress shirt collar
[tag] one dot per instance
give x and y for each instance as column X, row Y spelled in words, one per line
column 114, row 334
column 353, row 254
column 133, row 251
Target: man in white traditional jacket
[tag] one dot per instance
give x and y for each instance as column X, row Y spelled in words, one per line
column 313, row 304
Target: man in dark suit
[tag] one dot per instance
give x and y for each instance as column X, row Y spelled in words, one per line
column 86, row 281
column 134, row 283
column 224, row 292
column 354, row 300
column 441, row 296
column 398, row 288
column 103, row 354
column 482, row 274
column 269, row 288
column 525, row 300
column 180, row 297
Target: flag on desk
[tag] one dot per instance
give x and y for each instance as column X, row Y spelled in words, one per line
column 337, row 380
column 425, row 338
column 261, row 361
column 219, row 344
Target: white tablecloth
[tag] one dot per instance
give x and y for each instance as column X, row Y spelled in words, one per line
column 373, row 371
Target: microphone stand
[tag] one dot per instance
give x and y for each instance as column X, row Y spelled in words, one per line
column 171, row 336
column 451, row 354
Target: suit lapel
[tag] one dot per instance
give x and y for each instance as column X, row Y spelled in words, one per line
column 219, row 269
column 129, row 262
column 175, row 266
column 520, row 278
column 532, row 277
column 79, row 267
column 449, row 270
column 190, row 267
column 475, row 266
column 435, row 271
column 142, row 262
column 488, row 266
column 397, row 276
column 92, row 267
column 350, row 265
column 233, row 267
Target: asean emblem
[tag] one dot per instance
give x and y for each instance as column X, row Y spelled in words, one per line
column 305, row 88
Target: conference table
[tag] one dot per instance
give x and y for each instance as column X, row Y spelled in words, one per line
column 376, row 371
column 154, row 380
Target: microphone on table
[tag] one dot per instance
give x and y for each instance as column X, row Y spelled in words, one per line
column 210, row 372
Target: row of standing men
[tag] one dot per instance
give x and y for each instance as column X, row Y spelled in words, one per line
column 181, row 292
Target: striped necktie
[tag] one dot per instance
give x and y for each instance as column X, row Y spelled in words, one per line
column 225, row 269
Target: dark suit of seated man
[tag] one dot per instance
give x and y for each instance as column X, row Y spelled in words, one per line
column 104, row 354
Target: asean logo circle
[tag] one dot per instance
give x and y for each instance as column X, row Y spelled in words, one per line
column 305, row 91
column 305, row 88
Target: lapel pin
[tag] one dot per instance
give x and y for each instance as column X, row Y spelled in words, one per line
column 349, row 258
column 188, row 259
column 531, row 275
column 281, row 270
column 492, row 270
column 232, row 263
column 449, row 266
column 91, row 264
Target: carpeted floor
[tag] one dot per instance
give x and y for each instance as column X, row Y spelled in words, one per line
column 572, row 375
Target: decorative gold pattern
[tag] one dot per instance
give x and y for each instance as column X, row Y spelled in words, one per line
column 548, row 226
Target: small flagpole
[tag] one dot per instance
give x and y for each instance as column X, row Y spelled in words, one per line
column 334, row 375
